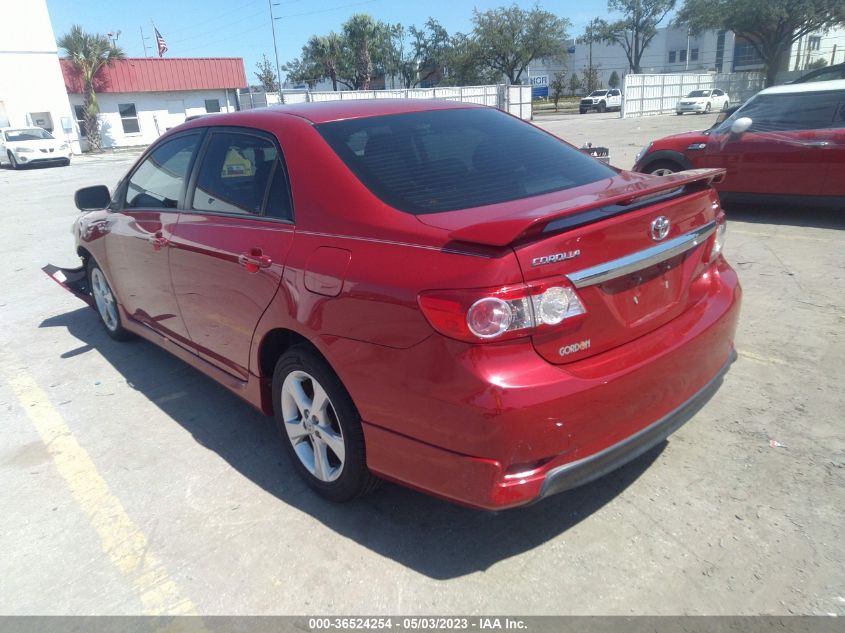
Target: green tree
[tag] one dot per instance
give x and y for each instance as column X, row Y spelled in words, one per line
column 463, row 64
column 416, row 54
column 591, row 78
column 367, row 40
column 558, row 86
column 771, row 27
column 821, row 62
column 323, row 57
column 508, row 39
column 637, row 27
column 613, row 81
column 89, row 52
column 575, row 83
column 266, row 75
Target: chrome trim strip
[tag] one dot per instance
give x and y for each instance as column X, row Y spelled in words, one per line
column 642, row 259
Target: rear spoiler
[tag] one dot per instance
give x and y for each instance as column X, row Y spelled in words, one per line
column 507, row 230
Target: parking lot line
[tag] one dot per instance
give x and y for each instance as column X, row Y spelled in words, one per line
column 120, row 539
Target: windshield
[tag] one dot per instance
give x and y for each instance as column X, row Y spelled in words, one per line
column 28, row 134
column 699, row 93
column 442, row 160
column 598, row 93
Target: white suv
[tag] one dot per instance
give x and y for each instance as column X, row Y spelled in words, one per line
column 601, row 100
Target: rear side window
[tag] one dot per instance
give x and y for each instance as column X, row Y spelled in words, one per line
column 790, row 112
column 241, row 173
column 158, row 181
column 427, row 162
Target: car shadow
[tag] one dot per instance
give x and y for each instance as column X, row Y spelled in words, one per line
column 430, row 536
column 791, row 215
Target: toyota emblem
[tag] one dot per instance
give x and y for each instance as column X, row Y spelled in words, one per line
column 659, row 228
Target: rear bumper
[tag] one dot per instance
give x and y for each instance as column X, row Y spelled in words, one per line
column 588, row 469
column 497, row 426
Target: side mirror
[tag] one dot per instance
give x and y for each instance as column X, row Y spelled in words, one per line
column 741, row 125
column 93, row 198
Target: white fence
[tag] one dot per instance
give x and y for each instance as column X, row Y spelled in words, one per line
column 513, row 99
column 646, row 95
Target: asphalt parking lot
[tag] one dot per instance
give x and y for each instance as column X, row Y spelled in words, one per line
column 132, row 484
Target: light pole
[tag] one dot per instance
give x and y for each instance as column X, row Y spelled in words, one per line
column 273, row 19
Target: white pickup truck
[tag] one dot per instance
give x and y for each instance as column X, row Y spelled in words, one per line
column 601, row 100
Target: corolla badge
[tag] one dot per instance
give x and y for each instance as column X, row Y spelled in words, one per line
column 660, row 228
column 557, row 257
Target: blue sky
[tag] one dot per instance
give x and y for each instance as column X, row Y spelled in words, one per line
column 241, row 28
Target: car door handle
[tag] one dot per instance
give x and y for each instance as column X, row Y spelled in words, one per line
column 254, row 260
column 157, row 240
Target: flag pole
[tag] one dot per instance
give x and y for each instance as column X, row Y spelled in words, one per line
column 144, row 42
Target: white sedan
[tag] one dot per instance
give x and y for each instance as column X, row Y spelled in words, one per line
column 31, row 145
column 703, row 101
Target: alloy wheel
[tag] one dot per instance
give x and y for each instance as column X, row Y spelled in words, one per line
column 103, row 297
column 312, row 426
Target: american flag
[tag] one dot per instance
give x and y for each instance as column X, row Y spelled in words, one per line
column 162, row 45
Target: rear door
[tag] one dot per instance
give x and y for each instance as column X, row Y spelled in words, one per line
column 783, row 151
column 229, row 249
column 145, row 214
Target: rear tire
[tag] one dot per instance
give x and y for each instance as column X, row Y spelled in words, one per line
column 663, row 168
column 106, row 303
column 726, row 106
column 320, row 427
column 679, row 113
column 581, row 111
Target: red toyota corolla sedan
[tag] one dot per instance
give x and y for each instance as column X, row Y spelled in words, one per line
column 433, row 293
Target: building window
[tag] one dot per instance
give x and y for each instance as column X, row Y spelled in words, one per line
column 671, row 57
column 129, row 118
column 682, row 55
column 746, row 55
column 814, row 43
column 693, row 55
column 79, row 112
column 212, row 105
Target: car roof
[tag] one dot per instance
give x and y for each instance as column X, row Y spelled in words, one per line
column 811, row 86
column 326, row 111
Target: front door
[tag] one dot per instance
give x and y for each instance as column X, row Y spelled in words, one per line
column 229, row 248
column 140, row 229
column 782, row 153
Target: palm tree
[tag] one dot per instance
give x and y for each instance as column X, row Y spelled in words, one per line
column 89, row 53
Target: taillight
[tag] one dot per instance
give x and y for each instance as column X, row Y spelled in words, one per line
column 718, row 238
column 501, row 313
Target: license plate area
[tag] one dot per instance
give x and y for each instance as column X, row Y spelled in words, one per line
column 647, row 293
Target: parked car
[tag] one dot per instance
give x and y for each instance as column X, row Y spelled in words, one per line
column 435, row 293
column 601, row 100
column 20, row 147
column 829, row 73
column 785, row 145
column 703, row 101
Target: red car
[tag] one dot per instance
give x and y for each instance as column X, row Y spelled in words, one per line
column 433, row 293
column 785, row 145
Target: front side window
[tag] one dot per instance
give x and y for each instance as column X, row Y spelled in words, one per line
column 442, row 160
column 236, row 175
column 788, row 112
column 159, row 180
column 129, row 118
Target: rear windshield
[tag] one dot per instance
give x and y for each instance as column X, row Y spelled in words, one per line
column 441, row 160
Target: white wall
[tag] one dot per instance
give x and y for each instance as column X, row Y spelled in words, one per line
column 157, row 112
column 30, row 76
column 831, row 48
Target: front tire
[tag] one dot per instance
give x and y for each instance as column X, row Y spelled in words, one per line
column 320, row 427
column 707, row 109
column 13, row 161
column 602, row 107
column 663, row 168
column 106, row 303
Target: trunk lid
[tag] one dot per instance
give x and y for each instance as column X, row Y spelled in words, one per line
column 630, row 281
